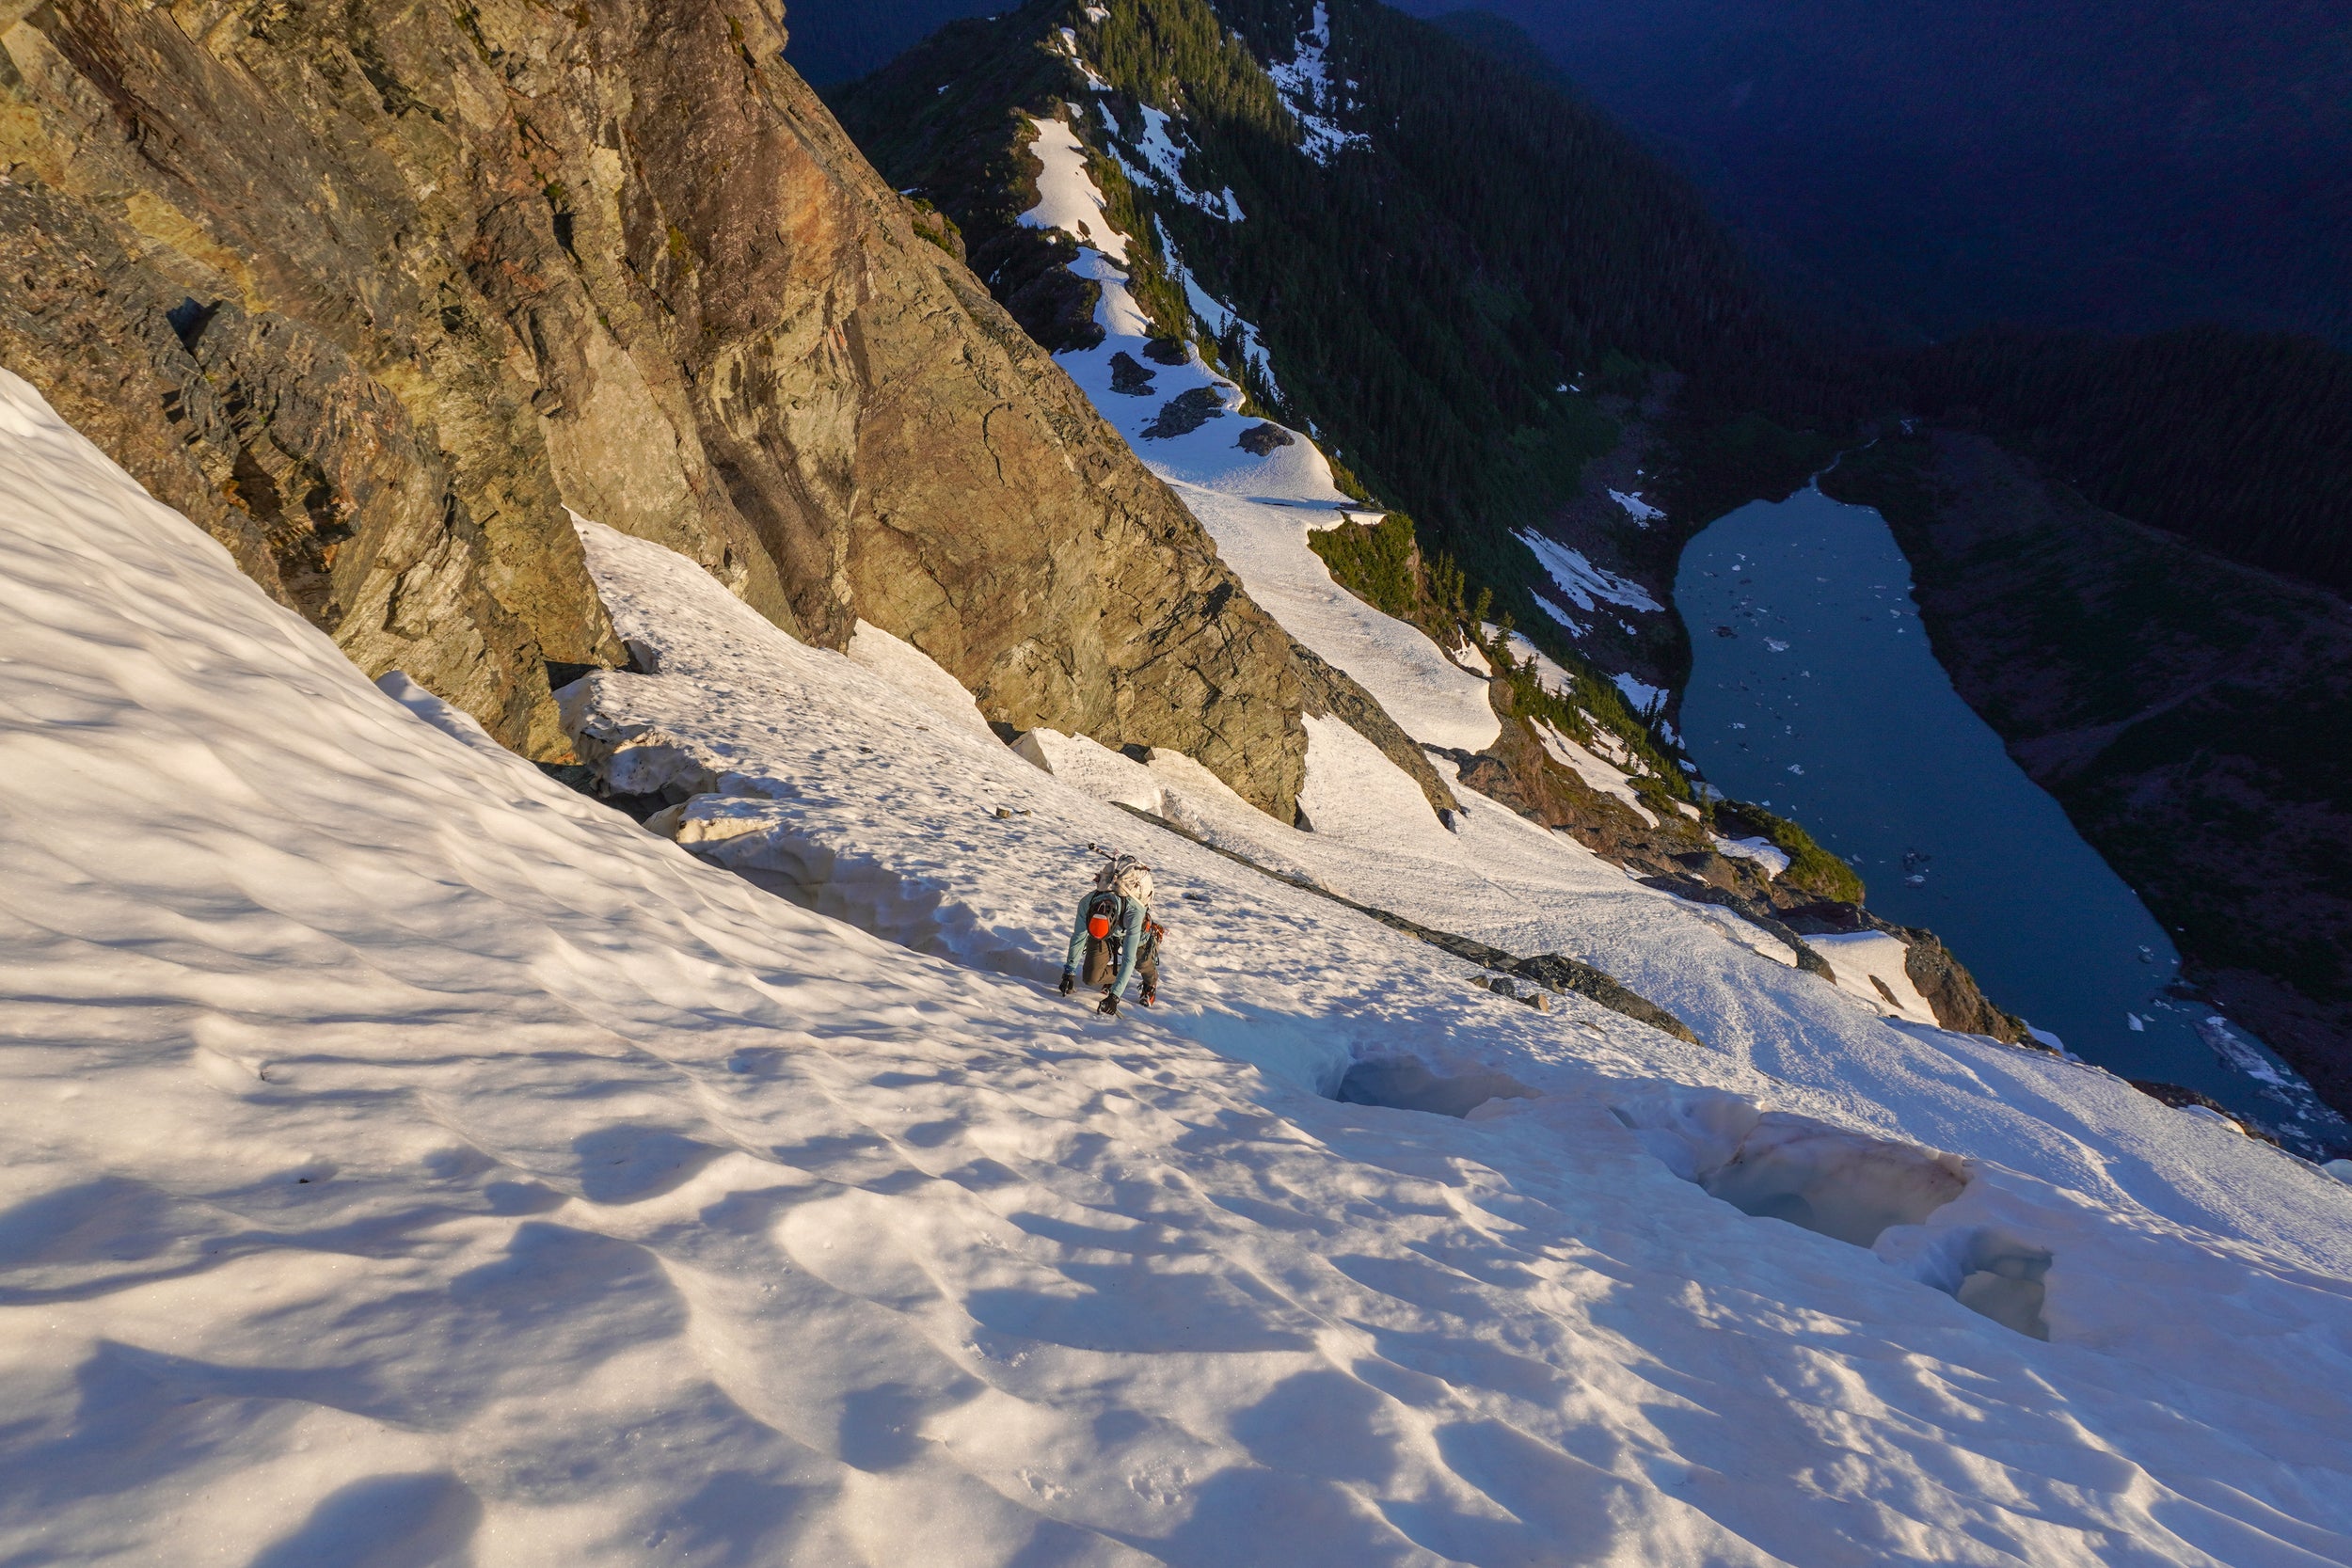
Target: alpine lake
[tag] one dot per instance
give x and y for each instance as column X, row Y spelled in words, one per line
column 1815, row 692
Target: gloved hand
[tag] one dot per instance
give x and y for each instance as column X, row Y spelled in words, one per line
column 1068, row 982
column 1110, row 1005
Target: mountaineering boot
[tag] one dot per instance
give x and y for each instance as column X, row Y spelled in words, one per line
column 1150, row 993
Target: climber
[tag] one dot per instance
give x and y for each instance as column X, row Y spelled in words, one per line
column 1115, row 935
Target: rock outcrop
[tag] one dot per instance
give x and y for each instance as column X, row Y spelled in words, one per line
column 373, row 293
column 1951, row 992
column 1675, row 856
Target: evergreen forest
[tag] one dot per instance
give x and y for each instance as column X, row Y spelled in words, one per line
column 1458, row 299
column 2238, row 441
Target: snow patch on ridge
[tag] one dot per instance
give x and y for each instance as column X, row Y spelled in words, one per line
column 1068, row 37
column 1067, row 197
column 1305, row 84
column 1580, row 580
column 1773, row 859
column 1260, row 509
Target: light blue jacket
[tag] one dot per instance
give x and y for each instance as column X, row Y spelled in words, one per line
column 1130, row 926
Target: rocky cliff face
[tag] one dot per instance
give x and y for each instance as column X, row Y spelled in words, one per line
column 374, row 292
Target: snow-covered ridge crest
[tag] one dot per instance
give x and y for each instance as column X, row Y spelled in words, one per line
column 405, row 1149
column 1185, row 421
column 1067, row 199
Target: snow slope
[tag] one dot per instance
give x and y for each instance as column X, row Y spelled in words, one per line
column 2065, row 1162
column 409, row 1161
column 1066, row 199
column 1258, row 509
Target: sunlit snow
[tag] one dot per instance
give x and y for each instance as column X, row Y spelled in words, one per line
column 1259, row 508
column 1774, row 859
column 409, row 1161
column 1067, row 199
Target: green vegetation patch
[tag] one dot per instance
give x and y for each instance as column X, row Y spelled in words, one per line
column 1811, row 868
column 1380, row 563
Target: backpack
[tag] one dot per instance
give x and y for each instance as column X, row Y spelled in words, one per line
column 1102, row 959
column 1127, row 877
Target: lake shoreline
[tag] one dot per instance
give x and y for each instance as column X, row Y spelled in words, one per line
column 1814, row 692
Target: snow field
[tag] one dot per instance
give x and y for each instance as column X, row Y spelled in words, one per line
column 912, row 670
column 1261, row 972
column 1264, row 541
column 409, row 1159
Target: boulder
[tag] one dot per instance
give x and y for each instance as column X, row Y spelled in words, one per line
column 1186, row 413
column 1129, row 376
column 1260, row 439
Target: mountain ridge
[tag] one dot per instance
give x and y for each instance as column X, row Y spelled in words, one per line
column 1516, row 316
column 375, row 299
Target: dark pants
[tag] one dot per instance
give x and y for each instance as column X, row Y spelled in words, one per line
column 1102, row 963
